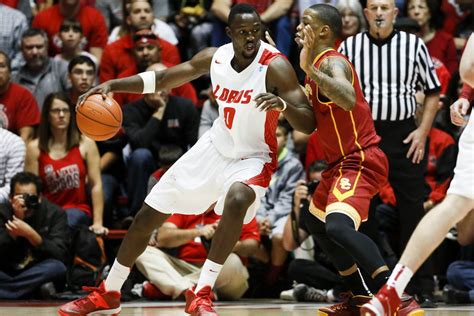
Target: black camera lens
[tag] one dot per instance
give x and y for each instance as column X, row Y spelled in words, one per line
column 312, row 186
column 31, row 201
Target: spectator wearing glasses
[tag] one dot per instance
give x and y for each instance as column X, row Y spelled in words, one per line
column 67, row 163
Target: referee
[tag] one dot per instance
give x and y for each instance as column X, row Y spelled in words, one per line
column 392, row 65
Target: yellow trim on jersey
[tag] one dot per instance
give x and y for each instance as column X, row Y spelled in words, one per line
column 349, row 271
column 344, row 208
column 319, row 214
column 315, row 60
column 337, row 133
column 342, row 196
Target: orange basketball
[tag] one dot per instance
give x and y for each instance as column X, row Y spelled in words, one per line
column 99, row 118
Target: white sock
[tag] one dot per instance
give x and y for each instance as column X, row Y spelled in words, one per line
column 117, row 276
column 399, row 278
column 209, row 273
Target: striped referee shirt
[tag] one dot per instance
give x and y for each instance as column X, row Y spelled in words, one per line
column 12, row 160
column 390, row 71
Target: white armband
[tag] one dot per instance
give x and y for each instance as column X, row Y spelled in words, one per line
column 149, row 84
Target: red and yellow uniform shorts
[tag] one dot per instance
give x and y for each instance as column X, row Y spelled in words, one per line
column 349, row 185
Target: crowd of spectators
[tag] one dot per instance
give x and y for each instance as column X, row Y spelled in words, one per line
column 51, row 52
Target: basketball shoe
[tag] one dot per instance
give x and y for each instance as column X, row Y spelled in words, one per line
column 200, row 304
column 98, row 301
column 349, row 307
column 387, row 303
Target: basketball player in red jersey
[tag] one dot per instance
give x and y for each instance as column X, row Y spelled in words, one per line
column 231, row 164
column 357, row 167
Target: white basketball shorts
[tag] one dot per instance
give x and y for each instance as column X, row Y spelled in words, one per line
column 203, row 176
column 463, row 181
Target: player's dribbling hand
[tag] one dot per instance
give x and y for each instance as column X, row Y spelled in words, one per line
column 268, row 101
column 457, row 110
column 102, row 89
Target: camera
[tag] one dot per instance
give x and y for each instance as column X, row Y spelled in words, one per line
column 312, row 186
column 31, row 201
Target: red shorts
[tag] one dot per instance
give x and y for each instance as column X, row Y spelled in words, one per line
column 348, row 186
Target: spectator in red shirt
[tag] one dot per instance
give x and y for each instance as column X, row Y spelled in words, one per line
column 170, row 276
column 118, row 56
column 439, row 43
column 93, row 25
column 19, row 111
column 146, row 52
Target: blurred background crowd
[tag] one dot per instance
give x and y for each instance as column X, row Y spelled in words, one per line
column 56, row 185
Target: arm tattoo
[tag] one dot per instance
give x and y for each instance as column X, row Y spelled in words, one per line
column 337, row 88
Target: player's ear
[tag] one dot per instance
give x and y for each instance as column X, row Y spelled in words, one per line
column 228, row 32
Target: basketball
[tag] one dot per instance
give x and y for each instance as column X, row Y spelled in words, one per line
column 99, row 118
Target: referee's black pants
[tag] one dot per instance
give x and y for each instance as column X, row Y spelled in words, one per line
column 407, row 181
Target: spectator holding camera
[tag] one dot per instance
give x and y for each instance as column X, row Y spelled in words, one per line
column 35, row 235
column 314, row 277
column 276, row 204
column 169, row 276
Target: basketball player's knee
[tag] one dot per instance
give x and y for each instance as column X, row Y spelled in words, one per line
column 239, row 198
column 148, row 219
column 337, row 230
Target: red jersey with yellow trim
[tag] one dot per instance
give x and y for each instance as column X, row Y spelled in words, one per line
column 341, row 132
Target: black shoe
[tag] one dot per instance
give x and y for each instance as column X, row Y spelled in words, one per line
column 305, row 293
column 425, row 300
column 452, row 295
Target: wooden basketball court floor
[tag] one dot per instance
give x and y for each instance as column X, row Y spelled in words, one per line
column 241, row 308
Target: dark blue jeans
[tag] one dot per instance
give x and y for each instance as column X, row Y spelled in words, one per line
column 141, row 165
column 461, row 275
column 110, row 187
column 24, row 282
column 76, row 218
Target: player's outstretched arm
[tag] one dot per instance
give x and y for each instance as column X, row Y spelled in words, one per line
column 334, row 76
column 151, row 81
column 285, row 94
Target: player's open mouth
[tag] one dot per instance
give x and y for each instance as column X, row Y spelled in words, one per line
column 249, row 47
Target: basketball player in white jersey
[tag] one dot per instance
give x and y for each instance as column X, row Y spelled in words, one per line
column 432, row 229
column 231, row 165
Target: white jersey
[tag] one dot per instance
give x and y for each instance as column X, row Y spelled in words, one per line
column 241, row 130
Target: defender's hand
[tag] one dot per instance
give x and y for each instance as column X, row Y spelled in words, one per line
column 268, row 101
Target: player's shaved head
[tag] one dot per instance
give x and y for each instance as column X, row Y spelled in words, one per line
column 328, row 15
column 241, row 9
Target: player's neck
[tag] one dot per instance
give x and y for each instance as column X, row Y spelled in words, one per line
column 239, row 64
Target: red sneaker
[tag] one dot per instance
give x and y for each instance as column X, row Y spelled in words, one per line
column 385, row 302
column 200, row 304
column 150, row 291
column 349, row 307
column 409, row 307
column 99, row 300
